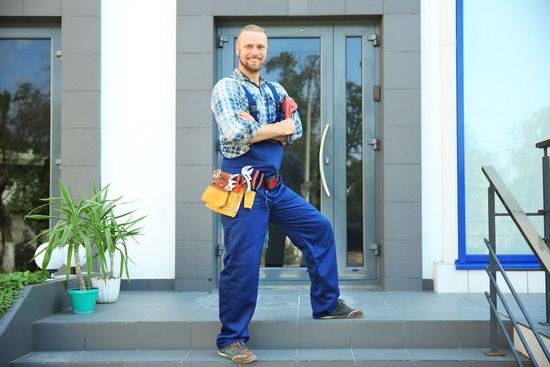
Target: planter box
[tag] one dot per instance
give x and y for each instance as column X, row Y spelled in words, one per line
column 36, row 302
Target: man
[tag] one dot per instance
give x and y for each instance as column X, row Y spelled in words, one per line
column 252, row 133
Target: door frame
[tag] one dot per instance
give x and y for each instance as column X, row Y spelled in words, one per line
column 53, row 33
column 327, row 32
column 370, row 78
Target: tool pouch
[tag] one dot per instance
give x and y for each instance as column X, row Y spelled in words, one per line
column 231, row 206
column 215, row 194
column 249, row 197
column 220, row 200
column 233, row 203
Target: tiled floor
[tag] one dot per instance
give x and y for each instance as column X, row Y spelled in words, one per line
column 179, row 329
column 290, row 305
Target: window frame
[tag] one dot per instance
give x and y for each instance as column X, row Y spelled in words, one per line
column 467, row 261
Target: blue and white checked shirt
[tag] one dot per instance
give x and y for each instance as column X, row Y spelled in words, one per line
column 228, row 96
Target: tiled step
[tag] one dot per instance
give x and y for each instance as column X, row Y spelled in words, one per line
column 284, row 357
column 76, row 334
column 536, row 350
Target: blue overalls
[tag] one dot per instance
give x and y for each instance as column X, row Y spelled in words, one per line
column 244, row 237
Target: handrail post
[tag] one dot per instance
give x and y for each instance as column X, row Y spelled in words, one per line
column 546, row 212
column 493, row 270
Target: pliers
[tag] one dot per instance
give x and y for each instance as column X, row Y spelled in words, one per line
column 257, row 180
column 246, row 172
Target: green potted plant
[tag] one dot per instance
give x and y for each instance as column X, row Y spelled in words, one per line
column 72, row 229
column 113, row 229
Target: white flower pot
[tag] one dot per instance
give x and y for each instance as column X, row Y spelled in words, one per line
column 108, row 289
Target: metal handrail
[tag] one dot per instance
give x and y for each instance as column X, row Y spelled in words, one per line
column 494, row 283
column 538, row 245
column 526, row 228
column 546, row 210
column 543, row 144
column 505, row 333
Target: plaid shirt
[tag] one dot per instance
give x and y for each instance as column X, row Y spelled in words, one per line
column 228, row 96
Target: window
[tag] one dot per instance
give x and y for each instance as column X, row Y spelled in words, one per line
column 503, row 110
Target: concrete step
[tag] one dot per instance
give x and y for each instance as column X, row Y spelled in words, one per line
column 538, row 353
column 356, row 357
column 76, row 334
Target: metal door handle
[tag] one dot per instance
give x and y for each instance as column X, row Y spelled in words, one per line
column 321, row 160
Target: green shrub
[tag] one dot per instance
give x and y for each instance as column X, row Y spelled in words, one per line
column 12, row 284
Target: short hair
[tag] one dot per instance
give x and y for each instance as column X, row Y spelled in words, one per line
column 251, row 28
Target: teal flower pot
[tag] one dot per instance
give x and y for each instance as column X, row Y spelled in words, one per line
column 83, row 301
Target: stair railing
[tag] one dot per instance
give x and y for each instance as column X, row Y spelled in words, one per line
column 539, row 246
column 544, row 145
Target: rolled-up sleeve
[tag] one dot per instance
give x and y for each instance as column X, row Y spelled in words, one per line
column 227, row 99
column 295, row 116
column 298, row 124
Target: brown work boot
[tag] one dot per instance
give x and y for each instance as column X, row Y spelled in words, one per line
column 343, row 311
column 238, row 352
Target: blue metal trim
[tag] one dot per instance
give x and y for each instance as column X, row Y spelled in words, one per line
column 460, row 132
column 507, row 266
column 502, row 258
column 466, row 261
column 476, row 262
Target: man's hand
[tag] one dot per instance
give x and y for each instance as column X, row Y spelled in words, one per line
column 288, row 127
column 280, row 138
column 278, row 131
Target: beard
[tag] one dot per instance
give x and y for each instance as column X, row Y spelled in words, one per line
column 250, row 66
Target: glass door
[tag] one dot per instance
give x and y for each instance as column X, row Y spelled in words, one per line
column 304, row 61
column 355, row 151
column 29, row 136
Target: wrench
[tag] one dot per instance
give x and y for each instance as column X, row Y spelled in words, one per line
column 231, row 183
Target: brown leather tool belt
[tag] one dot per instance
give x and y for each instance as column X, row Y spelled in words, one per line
column 221, row 179
column 227, row 190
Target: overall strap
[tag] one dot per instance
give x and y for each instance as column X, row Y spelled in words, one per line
column 279, row 113
column 251, row 102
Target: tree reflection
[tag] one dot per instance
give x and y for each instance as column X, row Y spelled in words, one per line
column 302, row 81
column 519, row 165
column 354, row 172
column 354, row 150
column 24, row 170
column 299, row 168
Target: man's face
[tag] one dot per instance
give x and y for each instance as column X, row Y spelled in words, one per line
column 252, row 50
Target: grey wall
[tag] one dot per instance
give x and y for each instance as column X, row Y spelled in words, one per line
column 400, row 205
column 194, row 148
column 401, row 171
column 80, row 75
column 400, row 209
column 80, row 93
